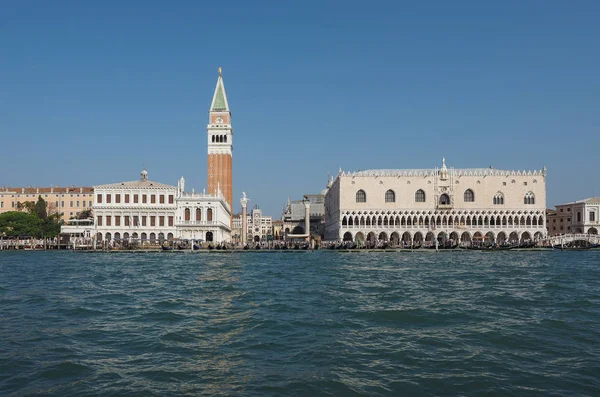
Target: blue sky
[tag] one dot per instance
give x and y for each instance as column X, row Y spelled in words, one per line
column 93, row 91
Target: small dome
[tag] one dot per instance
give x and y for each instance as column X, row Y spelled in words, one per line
column 144, row 175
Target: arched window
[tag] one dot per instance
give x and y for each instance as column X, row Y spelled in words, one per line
column 390, row 196
column 361, row 196
column 498, row 198
column 444, row 199
column 420, row 196
column 213, row 139
column 225, row 138
column 187, row 214
column 198, row 214
column 469, row 196
column 209, row 214
column 529, row 198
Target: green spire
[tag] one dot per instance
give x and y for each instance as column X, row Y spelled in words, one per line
column 219, row 102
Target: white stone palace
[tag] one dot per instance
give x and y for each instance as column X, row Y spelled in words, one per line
column 144, row 211
column 411, row 206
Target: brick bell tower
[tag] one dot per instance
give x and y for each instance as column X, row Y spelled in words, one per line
column 220, row 144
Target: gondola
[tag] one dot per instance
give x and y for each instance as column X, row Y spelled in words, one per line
column 166, row 248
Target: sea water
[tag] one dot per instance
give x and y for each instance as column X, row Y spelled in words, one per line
column 300, row 323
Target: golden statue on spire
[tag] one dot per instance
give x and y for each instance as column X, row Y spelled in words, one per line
column 220, row 71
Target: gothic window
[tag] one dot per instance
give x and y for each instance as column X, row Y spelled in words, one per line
column 498, row 198
column 444, row 199
column 469, row 196
column 390, row 196
column 361, row 196
column 420, row 196
column 529, row 198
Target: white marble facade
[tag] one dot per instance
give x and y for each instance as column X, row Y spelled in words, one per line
column 149, row 212
column 416, row 205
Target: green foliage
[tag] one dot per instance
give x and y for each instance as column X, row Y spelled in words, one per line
column 34, row 222
column 41, row 208
column 14, row 223
column 85, row 214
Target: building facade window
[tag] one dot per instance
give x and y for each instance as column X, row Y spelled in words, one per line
column 99, row 220
column 592, row 216
column 108, row 199
column 162, row 199
column 136, row 198
column 469, row 196
column 161, row 220
column 144, row 198
column 170, row 199
column 529, row 198
column 444, row 199
column 420, row 196
column 361, row 196
column 127, row 199
column 99, row 198
column 117, row 220
column 170, row 220
column 390, row 196
column 498, row 199
column 118, row 198
column 153, row 199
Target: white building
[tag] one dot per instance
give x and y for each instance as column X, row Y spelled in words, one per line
column 259, row 226
column 202, row 216
column 481, row 204
column 146, row 211
column 576, row 217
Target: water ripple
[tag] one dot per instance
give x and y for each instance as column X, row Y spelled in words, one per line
column 308, row 324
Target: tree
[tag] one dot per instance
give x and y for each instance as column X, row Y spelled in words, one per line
column 15, row 223
column 28, row 206
column 85, row 214
column 41, row 208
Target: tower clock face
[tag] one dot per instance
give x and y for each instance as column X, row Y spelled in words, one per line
column 219, row 120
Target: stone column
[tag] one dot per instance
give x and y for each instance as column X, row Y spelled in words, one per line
column 306, row 203
column 244, row 202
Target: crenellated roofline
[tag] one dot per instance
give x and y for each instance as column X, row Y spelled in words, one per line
column 457, row 172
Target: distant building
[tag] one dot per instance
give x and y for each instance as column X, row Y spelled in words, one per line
column 68, row 201
column 277, row 229
column 294, row 215
column 415, row 205
column 259, row 226
column 147, row 211
column 576, row 217
column 236, row 228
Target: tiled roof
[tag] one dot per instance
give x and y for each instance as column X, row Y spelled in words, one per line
column 47, row 190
